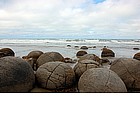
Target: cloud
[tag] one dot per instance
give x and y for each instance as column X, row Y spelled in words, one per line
column 66, row 18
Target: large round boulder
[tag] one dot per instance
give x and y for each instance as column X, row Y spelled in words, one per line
column 16, row 75
column 81, row 53
column 137, row 56
column 100, row 80
column 84, row 65
column 107, row 53
column 90, row 57
column 49, row 57
column 6, row 52
column 129, row 71
column 55, row 75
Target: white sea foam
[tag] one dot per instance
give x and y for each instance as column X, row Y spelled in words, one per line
column 122, row 48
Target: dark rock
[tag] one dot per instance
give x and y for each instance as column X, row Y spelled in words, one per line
column 76, row 46
column 69, row 46
column 84, row 47
column 107, row 53
column 16, row 75
column 6, row 52
column 136, row 48
column 81, row 53
column 105, row 60
column 137, row 56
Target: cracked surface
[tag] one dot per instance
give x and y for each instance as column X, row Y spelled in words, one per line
column 100, row 80
column 128, row 70
column 84, row 65
column 55, row 75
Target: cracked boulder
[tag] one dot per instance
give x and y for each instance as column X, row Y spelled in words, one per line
column 49, row 57
column 129, row 71
column 55, row 75
column 6, row 52
column 16, row 75
column 90, row 57
column 100, row 80
column 84, row 65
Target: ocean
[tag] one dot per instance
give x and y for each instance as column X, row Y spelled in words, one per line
column 121, row 47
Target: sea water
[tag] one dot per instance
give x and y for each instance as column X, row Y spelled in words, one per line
column 67, row 47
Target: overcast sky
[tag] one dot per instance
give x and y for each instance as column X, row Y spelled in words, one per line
column 70, row 18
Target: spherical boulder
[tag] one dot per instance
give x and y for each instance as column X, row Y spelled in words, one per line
column 129, row 71
column 107, row 53
column 49, row 57
column 16, row 75
column 81, row 53
column 100, row 80
column 6, row 52
column 90, row 57
column 84, row 65
column 137, row 56
column 55, row 75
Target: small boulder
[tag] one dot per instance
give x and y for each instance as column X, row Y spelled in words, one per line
column 135, row 48
column 55, row 75
column 76, row 46
column 6, row 52
column 68, row 46
column 34, row 54
column 49, row 57
column 100, row 80
column 107, row 53
column 81, row 53
column 137, row 56
column 16, row 75
column 84, row 47
column 129, row 71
